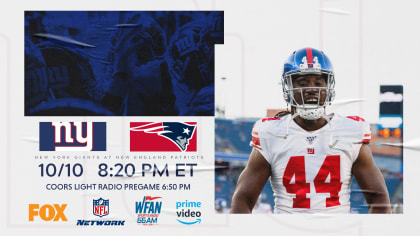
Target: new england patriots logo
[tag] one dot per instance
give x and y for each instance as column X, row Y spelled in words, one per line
column 177, row 132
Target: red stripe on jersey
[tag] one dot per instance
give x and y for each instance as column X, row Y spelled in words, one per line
column 270, row 118
column 366, row 135
column 255, row 141
column 255, row 146
column 366, row 141
column 309, row 58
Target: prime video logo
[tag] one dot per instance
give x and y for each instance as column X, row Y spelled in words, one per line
column 188, row 212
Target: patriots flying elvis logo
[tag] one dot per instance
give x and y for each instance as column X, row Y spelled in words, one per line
column 143, row 136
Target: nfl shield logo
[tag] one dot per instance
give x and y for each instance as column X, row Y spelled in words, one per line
column 310, row 139
column 100, row 207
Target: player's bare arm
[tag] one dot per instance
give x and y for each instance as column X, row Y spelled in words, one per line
column 250, row 183
column 371, row 182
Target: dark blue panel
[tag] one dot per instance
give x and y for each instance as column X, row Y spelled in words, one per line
column 46, row 136
column 99, row 138
column 153, row 63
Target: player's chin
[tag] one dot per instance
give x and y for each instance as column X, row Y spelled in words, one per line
column 311, row 104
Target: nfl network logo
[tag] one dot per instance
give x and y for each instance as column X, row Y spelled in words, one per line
column 72, row 136
column 163, row 137
column 100, row 207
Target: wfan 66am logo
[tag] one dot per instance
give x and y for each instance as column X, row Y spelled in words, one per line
column 188, row 212
column 148, row 210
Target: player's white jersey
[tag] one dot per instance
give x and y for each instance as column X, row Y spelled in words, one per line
column 311, row 170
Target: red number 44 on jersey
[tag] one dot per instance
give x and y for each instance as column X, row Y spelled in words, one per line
column 296, row 168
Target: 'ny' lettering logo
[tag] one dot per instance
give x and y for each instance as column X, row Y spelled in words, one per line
column 72, row 136
column 87, row 140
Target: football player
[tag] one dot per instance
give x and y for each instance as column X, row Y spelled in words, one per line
column 310, row 157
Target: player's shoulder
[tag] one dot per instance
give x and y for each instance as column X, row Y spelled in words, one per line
column 350, row 121
column 271, row 123
column 266, row 129
column 354, row 126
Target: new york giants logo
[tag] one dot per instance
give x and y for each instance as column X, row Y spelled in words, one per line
column 163, row 136
column 311, row 151
column 72, row 136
